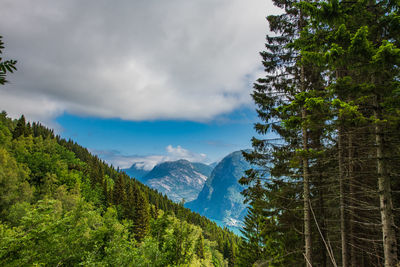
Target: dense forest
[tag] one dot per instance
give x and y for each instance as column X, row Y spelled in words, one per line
column 325, row 190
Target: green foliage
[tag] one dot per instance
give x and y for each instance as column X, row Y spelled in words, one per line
column 48, row 234
column 5, row 65
column 60, row 205
column 13, row 182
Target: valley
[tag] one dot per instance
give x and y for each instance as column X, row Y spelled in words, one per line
column 212, row 192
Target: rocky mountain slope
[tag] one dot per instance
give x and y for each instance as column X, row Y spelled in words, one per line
column 220, row 198
column 178, row 179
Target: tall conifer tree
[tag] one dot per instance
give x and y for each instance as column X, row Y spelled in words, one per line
column 141, row 217
column 330, row 94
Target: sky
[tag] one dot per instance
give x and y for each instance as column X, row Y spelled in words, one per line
column 137, row 81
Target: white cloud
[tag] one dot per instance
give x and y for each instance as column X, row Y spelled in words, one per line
column 135, row 60
column 148, row 162
column 175, row 153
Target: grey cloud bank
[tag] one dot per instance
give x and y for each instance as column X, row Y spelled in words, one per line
column 134, row 60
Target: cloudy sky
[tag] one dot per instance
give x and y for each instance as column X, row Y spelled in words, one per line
column 137, row 80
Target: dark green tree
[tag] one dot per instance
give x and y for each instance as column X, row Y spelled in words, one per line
column 232, row 258
column 119, row 194
column 129, row 203
column 21, row 128
column 330, row 94
column 141, row 217
column 199, row 249
column 358, row 45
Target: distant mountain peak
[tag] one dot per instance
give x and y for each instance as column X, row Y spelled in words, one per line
column 180, row 179
column 182, row 161
column 136, row 171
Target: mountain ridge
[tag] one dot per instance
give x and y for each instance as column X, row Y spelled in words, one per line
column 179, row 180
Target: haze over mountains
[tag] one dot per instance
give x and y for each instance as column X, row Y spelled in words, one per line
column 211, row 190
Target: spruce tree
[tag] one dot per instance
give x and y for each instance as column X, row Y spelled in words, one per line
column 361, row 56
column 281, row 97
column 129, row 204
column 119, row 194
column 20, row 129
column 199, row 248
column 141, row 217
column 252, row 247
column 330, row 94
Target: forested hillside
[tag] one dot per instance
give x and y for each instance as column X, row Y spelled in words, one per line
column 326, row 189
column 62, row 206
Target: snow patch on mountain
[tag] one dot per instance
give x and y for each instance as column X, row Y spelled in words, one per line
column 178, row 179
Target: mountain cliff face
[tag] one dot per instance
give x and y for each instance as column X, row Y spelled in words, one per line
column 220, row 198
column 178, row 179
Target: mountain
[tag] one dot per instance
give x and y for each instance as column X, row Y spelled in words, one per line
column 220, row 198
column 136, row 171
column 178, row 179
column 213, row 165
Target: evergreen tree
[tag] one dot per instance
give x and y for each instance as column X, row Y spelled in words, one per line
column 199, row 249
column 281, row 100
column 141, row 217
column 232, row 256
column 129, row 203
column 360, row 95
column 252, row 247
column 330, row 94
column 21, row 128
column 119, row 194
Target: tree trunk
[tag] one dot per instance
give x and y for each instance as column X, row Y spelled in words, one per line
column 385, row 198
column 306, row 185
column 343, row 232
column 323, row 220
column 351, row 202
column 306, row 199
